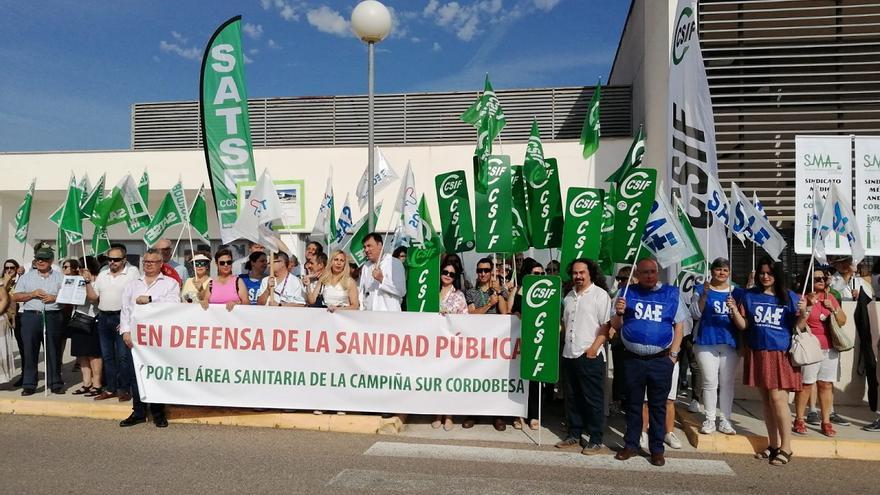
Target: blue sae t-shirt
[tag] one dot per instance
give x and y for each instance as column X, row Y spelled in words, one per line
column 252, row 286
column 770, row 321
column 649, row 317
column 715, row 325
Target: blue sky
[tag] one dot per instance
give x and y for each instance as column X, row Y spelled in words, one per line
column 72, row 69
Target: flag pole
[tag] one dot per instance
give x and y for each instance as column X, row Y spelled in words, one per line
column 179, row 236
column 633, row 267
column 45, row 354
column 539, row 413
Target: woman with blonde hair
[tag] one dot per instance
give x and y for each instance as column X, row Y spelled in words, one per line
column 335, row 288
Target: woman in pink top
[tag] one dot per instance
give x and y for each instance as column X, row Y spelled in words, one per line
column 226, row 288
column 822, row 307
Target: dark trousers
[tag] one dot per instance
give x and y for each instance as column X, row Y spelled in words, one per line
column 618, row 385
column 32, row 340
column 114, row 354
column 655, row 375
column 139, row 407
column 19, row 341
column 585, row 396
column 689, row 361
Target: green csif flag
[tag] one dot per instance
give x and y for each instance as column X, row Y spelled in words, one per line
column 583, row 226
column 487, row 117
column 606, row 245
column 455, row 211
column 198, row 214
column 632, row 160
column 100, row 241
column 224, row 119
column 520, row 210
column 423, row 267
column 545, row 208
column 635, row 197
column 144, row 188
column 590, row 130
column 171, row 212
column 534, row 163
column 23, row 215
column 61, row 242
column 541, row 304
column 697, row 261
column 71, row 220
column 91, row 199
column 361, row 229
column 494, row 222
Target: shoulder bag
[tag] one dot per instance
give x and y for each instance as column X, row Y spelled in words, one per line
column 804, row 348
column 82, row 323
column 840, row 339
column 319, row 301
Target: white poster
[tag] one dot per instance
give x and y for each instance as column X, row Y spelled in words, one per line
column 311, row 359
column 691, row 131
column 819, row 161
column 867, row 202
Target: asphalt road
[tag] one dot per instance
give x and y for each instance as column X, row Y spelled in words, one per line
column 58, row 455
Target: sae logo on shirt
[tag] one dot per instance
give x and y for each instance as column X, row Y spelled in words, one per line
column 648, row 311
column 769, row 314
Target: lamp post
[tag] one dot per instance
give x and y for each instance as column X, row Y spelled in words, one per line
column 371, row 22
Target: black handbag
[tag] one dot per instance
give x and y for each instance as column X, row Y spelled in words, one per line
column 82, row 323
column 319, row 301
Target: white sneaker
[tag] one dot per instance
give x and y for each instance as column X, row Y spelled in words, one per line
column 725, row 427
column 672, row 440
column 643, row 442
column 695, row 406
column 708, row 427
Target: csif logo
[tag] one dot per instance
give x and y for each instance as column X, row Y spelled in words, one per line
column 583, row 204
column 820, row 161
column 871, row 161
column 450, row 186
column 540, row 293
column 634, row 184
column 685, row 28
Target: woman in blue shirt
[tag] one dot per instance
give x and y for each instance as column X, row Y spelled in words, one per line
column 715, row 339
column 769, row 313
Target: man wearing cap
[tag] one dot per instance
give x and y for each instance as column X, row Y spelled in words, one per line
column 36, row 291
column 107, row 292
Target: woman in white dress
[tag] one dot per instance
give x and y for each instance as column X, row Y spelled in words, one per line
column 7, row 339
column 336, row 286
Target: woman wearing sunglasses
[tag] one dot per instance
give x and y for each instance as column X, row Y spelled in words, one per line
column 195, row 285
column 529, row 267
column 226, row 288
column 768, row 313
column 452, row 301
column 821, row 307
column 7, row 324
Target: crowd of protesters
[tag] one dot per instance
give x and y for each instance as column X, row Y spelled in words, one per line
column 639, row 328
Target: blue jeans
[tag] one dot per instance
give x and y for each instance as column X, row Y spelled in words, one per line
column 32, row 339
column 655, row 375
column 585, row 396
column 114, row 353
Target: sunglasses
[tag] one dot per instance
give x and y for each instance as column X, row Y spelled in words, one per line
column 152, row 262
column 8, row 268
column 621, row 279
column 766, row 274
column 224, row 263
column 115, row 260
column 819, row 279
column 538, row 273
column 448, row 273
column 484, row 270
column 202, row 263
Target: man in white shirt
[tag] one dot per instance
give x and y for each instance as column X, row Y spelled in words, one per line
column 281, row 288
column 383, row 280
column 152, row 287
column 164, row 247
column 585, row 322
column 107, row 292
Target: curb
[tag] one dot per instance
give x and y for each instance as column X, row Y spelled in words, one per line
column 348, row 423
column 825, row 448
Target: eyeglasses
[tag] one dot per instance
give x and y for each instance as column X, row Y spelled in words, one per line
column 484, row 270
column 448, row 273
column 9, row 268
column 224, row 263
column 65, row 267
column 152, row 262
column 279, row 260
column 538, row 273
column 115, row 260
column 819, row 279
column 201, row 263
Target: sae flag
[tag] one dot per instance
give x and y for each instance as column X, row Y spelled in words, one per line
column 664, row 236
column 837, row 217
column 752, row 224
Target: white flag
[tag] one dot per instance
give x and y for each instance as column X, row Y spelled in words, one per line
column 754, row 225
column 837, row 216
column 717, row 202
column 383, row 176
column 408, row 206
column 259, row 209
column 664, row 237
column 344, row 225
column 322, row 228
column 138, row 214
column 818, row 248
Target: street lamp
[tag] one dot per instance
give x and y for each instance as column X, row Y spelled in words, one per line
column 371, row 22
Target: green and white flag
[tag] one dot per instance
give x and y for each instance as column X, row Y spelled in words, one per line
column 23, row 215
column 590, row 131
column 325, row 222
column 224, row 119
column 606, row 245
column 634, row 200
column 520, row 209
column 109, row 210
column 632, row 159
column 494, row 222
column 697, row 262
column 137, row 216
column 487, row 117
column 455, row 211
column 535, row 166
column 91, row 199
column 71, row 220
column 664, row 237
column 541, row 303
column 144, row 188
column 85, row 185
column 198, row 214
column 423, row 266
column 100, row 241
column 61, row 242
column 171, row 212
column 356, row 241
column 582, row 233
column 545, row 207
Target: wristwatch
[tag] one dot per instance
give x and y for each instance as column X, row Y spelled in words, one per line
column 673, row 354
column 149, row 298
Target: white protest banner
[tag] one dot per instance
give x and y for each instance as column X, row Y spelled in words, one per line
column 819, row 162
column 868, row 192
column 420, row 363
